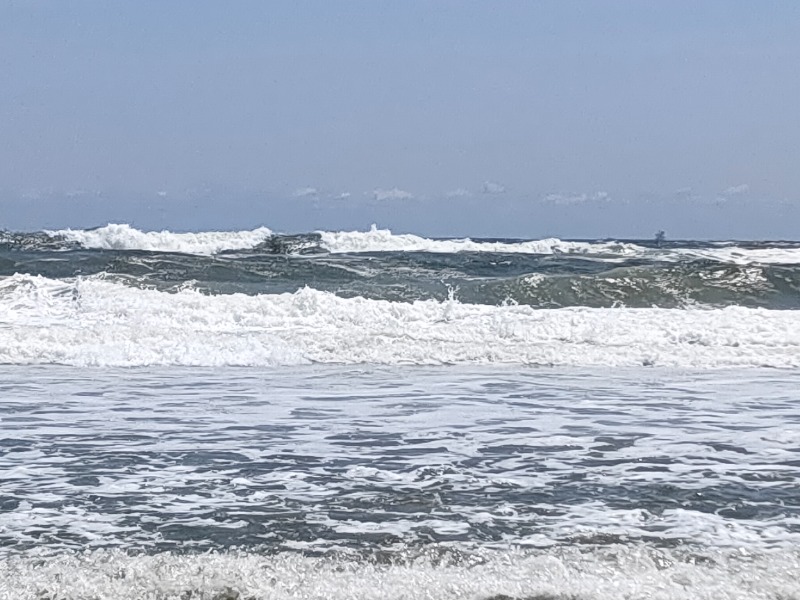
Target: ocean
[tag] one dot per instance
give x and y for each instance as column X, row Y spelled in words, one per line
column 370, row 415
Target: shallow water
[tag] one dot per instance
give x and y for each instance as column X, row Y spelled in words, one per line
column 550, row 481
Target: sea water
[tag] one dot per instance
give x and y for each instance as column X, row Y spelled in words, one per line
column 367, row 415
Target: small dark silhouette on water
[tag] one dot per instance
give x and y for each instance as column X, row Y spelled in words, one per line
column 660, row 237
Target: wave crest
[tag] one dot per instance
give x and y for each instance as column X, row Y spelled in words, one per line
column 263, row 240
column 124, row 237
column 383, row 240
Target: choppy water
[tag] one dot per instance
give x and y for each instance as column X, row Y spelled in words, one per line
column 250, row 415
column 381, row 266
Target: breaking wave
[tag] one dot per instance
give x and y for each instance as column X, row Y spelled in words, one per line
column 383, row 240
column 94, row 321
column 125, row 237
column 262, row 239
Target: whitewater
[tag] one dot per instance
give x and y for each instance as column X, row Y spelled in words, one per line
column 370, row 414
column 102, row 323
column 125, row 237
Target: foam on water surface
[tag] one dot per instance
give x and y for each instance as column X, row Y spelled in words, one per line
column 566, row 574
column 95, row 321
column 352, row 482
column 383, row 240
column 124, row 237
column 326, row 458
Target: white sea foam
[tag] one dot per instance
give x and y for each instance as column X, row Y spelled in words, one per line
column 495, row 457
column 383, row 240
column 95, row 321
column 604, row 573
column 125, row 237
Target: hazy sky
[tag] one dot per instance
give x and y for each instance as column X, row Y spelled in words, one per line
column 591, row 118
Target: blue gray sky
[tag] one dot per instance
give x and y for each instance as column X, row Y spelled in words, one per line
column 503, row 118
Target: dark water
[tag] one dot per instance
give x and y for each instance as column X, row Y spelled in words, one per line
column 670, row 275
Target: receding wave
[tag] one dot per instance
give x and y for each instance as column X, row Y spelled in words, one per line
column 560, row 574
column 92, row 321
